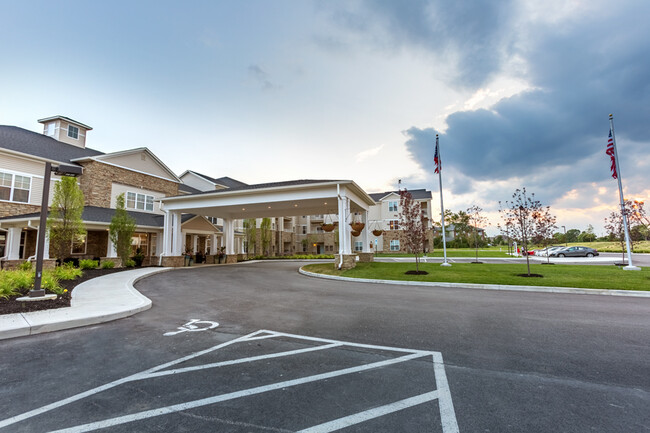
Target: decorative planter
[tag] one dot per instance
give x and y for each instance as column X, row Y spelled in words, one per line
column 328, row 227
column 377, row 232
column 357, row 227
column 355, row 233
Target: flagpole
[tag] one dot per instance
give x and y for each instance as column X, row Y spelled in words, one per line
column 442, row 207
column 630, row 266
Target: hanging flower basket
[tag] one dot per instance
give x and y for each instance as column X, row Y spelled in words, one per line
column 377, row 232
column 357, row 227
column 328, row 227
column 355, row 233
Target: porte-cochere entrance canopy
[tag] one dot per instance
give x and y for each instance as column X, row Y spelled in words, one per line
column 278, row 199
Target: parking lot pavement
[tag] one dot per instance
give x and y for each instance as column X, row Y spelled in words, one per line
column 308, row 384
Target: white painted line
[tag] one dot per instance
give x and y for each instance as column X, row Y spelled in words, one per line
column 240, row 361
column 447, row 413
column 360, row 417
column 113, row 384
column 346, row 343
column 231, row 396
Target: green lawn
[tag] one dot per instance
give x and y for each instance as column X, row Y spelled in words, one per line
column 592, row 277
column 457, row 252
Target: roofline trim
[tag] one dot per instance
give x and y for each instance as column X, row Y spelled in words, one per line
column 67, row 119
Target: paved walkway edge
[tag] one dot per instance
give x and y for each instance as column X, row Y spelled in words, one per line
column 98, row 300
column 542, row 289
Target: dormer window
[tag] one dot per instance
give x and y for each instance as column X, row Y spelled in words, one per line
column 73, row 132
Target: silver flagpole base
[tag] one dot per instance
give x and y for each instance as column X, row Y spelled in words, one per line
column 445, row 264
column 631, row 268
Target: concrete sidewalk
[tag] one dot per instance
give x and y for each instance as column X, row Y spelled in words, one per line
column 99, row 300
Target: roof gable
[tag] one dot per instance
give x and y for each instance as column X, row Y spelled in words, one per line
column 140, row 159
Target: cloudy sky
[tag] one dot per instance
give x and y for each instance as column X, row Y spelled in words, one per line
column 519, row 91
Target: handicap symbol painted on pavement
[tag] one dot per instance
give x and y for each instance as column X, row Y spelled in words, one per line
column 193, row 325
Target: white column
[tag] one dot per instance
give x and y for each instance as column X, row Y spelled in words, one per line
column 364, row 233
column 177, row 236
column 46, row 245
column 214, row 248
column 167, row 234
column 229, row 235
column 13, row 243
column 160, row 243
column 110, row 250
column 195, row 243
column 344, row 228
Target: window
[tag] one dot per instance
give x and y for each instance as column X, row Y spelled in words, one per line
column 393, row 224
column 3, row 243
column 392, row 206
column 140, row 241
column 49, row 129
column 304, row 230
column 394, row 245
column 358, row 246
column 14, row 187
column 73, row 132
column 79, row 245
column 139, row 201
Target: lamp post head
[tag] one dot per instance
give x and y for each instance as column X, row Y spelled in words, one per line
column 68, row 170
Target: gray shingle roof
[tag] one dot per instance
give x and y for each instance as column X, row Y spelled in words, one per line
column 187, row 188
column 418, row 194
column 33, row 143
column 245, row 187
column 226, row 181
column 97, row 214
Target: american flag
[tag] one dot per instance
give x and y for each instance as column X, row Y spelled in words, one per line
column 436, row 158
column 609, row 151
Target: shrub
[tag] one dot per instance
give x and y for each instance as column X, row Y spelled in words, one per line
column 50, row 282
column 108, row 264
column 88, row 264
column 129, row 263
column 67, row 271
column 25, row 266
column 7, row 285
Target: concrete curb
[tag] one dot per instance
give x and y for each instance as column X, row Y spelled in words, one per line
column 540, row 289
column 99, row 300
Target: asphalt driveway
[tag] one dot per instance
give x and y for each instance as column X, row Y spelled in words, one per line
column 258, row 347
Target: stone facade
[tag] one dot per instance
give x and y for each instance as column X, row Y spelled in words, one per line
column 173, row 261
column 366, row 257
column 10, row 208
column 349, row 261
column 97, row 180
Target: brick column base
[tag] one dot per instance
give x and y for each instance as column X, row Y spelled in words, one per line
column 116, row 260
column 349, row 261
column 232, row 258
column 366, row 257
column 173, row 261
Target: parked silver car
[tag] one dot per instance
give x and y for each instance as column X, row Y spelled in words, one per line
column 574, row 252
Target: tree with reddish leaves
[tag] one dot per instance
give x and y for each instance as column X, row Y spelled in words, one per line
column 413, row 231
column 615, row 226
column 521, row 215
column 544, row 228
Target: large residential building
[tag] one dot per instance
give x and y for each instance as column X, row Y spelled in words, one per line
column 145, row 180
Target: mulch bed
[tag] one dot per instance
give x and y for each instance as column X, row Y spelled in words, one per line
column 416, row 273
column 531, row 275
column 9, row 306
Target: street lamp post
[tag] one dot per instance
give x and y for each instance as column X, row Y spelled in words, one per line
column 65, row 170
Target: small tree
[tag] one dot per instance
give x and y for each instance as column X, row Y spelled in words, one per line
column 462, row 228
column 265, row 235
column 413, row 232
column 121, row 230
column 476, row 221
column 615, row 227
column 544, row 227
column 521, row 214
column 250, row 233
column 64, row 222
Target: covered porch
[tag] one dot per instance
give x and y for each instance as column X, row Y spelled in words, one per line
column 271, row 200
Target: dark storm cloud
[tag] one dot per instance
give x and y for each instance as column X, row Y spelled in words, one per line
column 470, row 34
column 579, row 76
